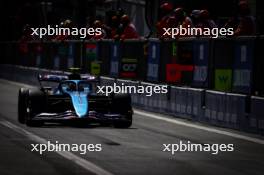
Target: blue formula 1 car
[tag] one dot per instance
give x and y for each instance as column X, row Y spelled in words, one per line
column 72, row 98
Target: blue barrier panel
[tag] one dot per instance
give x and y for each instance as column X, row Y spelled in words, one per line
column 256, row 119
column 201, row 74
column 115, row 58
column 153, row 61
column 243, row 64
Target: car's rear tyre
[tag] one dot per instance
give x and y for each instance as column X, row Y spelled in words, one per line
column 22, row 105
column 121, row 104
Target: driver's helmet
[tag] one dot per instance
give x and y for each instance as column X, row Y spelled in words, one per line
column 72, row 87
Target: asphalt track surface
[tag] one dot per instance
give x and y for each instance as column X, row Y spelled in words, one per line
column 137, row 150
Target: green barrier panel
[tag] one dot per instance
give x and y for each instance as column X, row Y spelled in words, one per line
column 223, row 79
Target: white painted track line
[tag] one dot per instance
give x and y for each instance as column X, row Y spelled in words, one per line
column 204, row 128
column 85, row 164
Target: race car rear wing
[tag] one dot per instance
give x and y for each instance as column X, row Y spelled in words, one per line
column 52, row 77
column 59, row 78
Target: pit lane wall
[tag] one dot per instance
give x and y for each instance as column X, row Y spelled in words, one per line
column 231, row 65
column 216, row 81
column 236, row 111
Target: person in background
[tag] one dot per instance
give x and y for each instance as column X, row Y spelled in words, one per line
column 128, row 28
column 205, row 21
column 165, row 10
column 179, row 18
column 115, row 27
column 99, row 24
column 195, row 17
column 182, row 18
column 244, row 23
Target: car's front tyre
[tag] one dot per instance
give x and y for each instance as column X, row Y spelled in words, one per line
column 35, row 103
column 121, row 103
column 22, row 105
